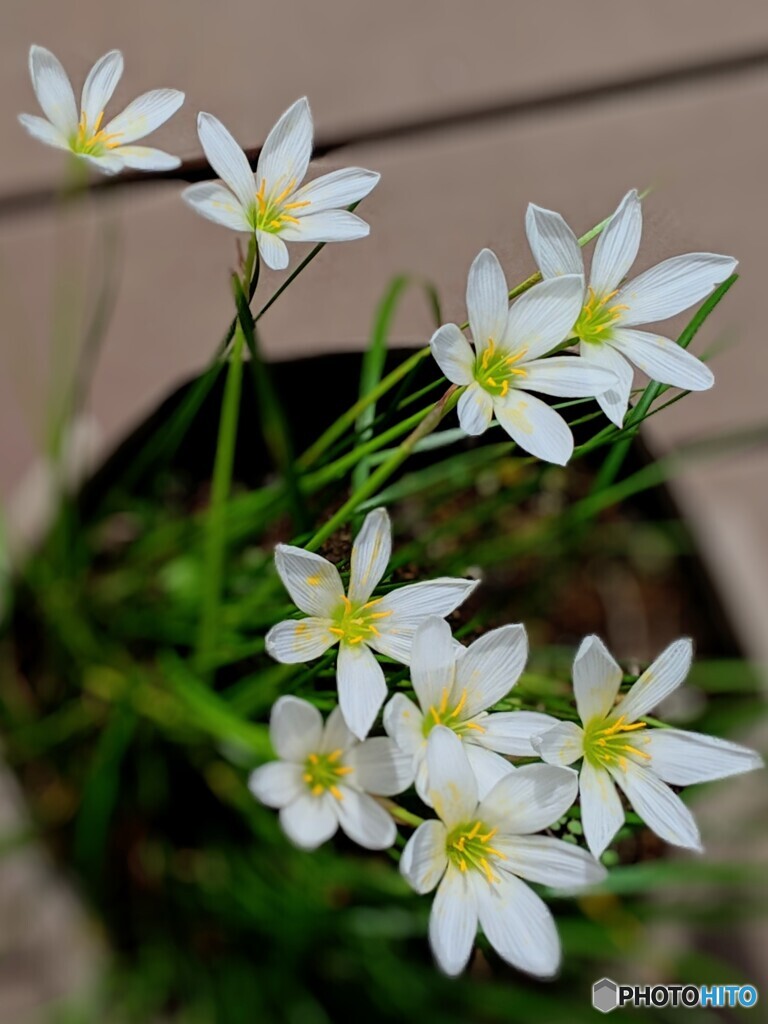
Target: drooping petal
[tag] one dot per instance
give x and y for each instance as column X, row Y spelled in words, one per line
column 602, row 814
column 551, row 862
column 510, row 732
column 615, row 401
column 381, row 767
column 452, row 783
column 336, row 189
column 43, row 131
column 403, row 721
column 215, row 202
column 563, row 744
column 530, row 799
column 295, row 729
column 285, row 155
column 337, row 734
column 295, row 641
column 475, row 410
column 424, row 859
column 682, row 758
column 617, row 246
column 596, row 679
column 672, row 286
column 567, row 377
column 371, row 552
column 99, row 86
column 329, row 226
column 662, row 359
column 535, row 427
column 658, row 681
column 362, row 688
column 487, row 299
column 312, row 581
column 144, row 158
column 488, row 768
column 433, row 661
column 272, row 250
column 364, row 821
column 309, row 821
column 144, row 114
column 658, row 806
column 453, row 354
column 277, row 783
column 53, row 90
column 543, row 316
column 518, row 925
column 453, row 922
column 490, row 667
column 227, row 158
column 553, row 243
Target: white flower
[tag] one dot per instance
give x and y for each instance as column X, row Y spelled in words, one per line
column 617, row 748
column 108, row 147
column 356, row 623
column 454, row 687
column 324, row 776
column 607, row 323
column 505, row 363
column 479, row 852
column 272, row 203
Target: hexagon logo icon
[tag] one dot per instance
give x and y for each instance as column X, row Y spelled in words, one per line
column 605, row 995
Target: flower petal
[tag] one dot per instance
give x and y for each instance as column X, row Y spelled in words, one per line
column 563, row 866
column 660, row 679
column 535, row 427
column 329, row 226
column 312, row 581
column 487, row 299
column 144, row 158
column 410, row 605
column 403, row 721
column 452, row 783
column 553, row 243
column 518, row 925
column 561, row 745
column 294, row 641
column 433, row 662
column 110, row 163
column 227, row 158
column 337, row 734
column 663, row 359
column 615, row 401
column 371, row 552
column 337, row 189
column 530, row 799
column 510, row 732
column 362, row 689
column 682, row 758
column 272, row 250
column 488, row 768
column 658, row 806
column 43, row 131
column 364, row 821
column 672, row 286
column 285, row 155
column 277, row 783
column 543, row 316
column 453, row 922
column 567, row 377
column 100, row 85
column 295, row 729
column 596, row 679
column 53, row 90
column 453, row 354
column 475, row 410
column 617, row 246
column 309, row 821
column 490, row 667
column 381, row 767
column 144, row 114
column 424, row 859
column 215, row 202
column 602, row 814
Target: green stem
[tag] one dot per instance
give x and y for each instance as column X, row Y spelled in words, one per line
column 400, row 814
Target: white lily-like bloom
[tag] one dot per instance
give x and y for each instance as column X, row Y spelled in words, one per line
column 479, row 851
column 612, row 310
column 506, row 362
column 107, row 147
column 616, row 747
column 273, row 202
column 358, row 624
column 455, row 686
column 324, row 777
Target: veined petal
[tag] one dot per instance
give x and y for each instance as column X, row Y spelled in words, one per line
column 663, row 359
column 362, row 688
column 453, row 354
column 403, row 721
column 312, row 581
column 364, row 821
column 294, row 641
column 144, row 158
column 53, row 90
column 487, row 299
column 329, row 226
column 672, row 286
column 602, row 814
column 144, row 114
column 475, row 410
column 518, row 925
column 553, row 243
column 543, row 316
column 535, row 427
column 452, row 783
column 310, row 821
column 490, row 667
column 415, row 601
column 433, row 662
column 683, row 758
column 337, row 734
column 453, row 922
column 295, row 729
column 272, row 250
column 337, row 189
column 548, row 861
column 277, row 783
column 215, row 202
column 100, row 85
column 381, row 767
column 424, row 859
column 227, row 158
column 530, row 799
column 617, row 245
column 562, row 744
column 43, row 131
column 511, row 732
column 658, row 806
column 371, row 552
column 615, row 401
column 567, row 377
column 488, row 768
column 596, row 679
column 284, row 157
column 660, row 679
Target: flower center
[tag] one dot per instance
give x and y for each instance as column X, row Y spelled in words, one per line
column 271, row 212
column 444, row 714
column 495, row 369
column 323, row 771
column 597, row 317
column 469, row 848
column 607, row 744
column 94, row 141
column 356, row 625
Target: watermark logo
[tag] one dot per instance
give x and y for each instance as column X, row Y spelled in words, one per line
column 608, row 995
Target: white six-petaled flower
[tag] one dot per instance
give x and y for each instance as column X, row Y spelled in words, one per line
column 273, row 203
column 506, row 362
column 616, row 747
column 358, row 624
column 606, row 324
column 324, row 777
column 107, row 147
column 479, row 851
column 455, row 686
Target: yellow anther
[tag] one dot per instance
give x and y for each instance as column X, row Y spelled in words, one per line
column 335, row 791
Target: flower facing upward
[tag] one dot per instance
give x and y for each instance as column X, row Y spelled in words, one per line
column 478, row 852
column 505, row 363
column 607, row 322
column 324, row 776
column 273, row 203
column 454, row 687
column 618, row 748
column 355, row 621
column 107, row 147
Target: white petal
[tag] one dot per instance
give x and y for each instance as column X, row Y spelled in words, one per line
column 510, row 732
column 272, row 250
column 682, row 758
column 53, row 90
column 452, row 784
column 553, row 243
column 475, row 410
column 543, row 316
column 312, row 581
column 535, row 427
column 453, row 354
column 596, row 679
column 110, row 163
column 424, row 859
column 362, row 689
column 530, row 799
column 413, row 603
column 336, row 734
column 144, row 158
column 488, row 768
column 617, row 245
column 381, row 767
column 144, row 114
column 562, row 744
column 309, row 821
column 567, row 377
column 295, row 729
column 453, row 922
column 99, row 85
column 295, row 641
column 285, row 154
column 43, row 131
column 371, row 552
column 518, row 925
column 433, row 660
column 658, row 681
column 364, row 821
column 551, row 862
column 658, row 806
column 673, row 286
column 663, row 359
column 602, row 814
column 490, row 667
column 337, row 189
column 395, row 639
column 227, row 158
column 421, row 782
column 403, row 721
column 487, row 299
column 329, row 226
column 277, row 783
column 615, row 401
column 217, row 203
